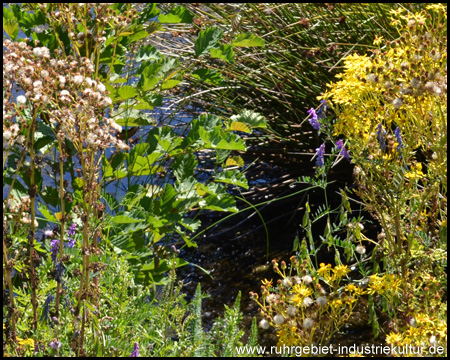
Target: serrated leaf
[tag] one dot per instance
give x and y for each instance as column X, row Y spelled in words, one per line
column 169, row 84
column 177, row 15
column 148, row 52
column 225, row 53
column 247, row 40
column 126, row 92
column 234, row 161
column 46, row 213
column 208, row 76
column 239, row 126
column 250, row 117
column 232, row 177
column 11, row 27
column 184, row 166
column 206, row 40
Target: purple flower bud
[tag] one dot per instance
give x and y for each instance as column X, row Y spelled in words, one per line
column 71, row 237
column 381, row 133
column 320, row 152
column 398, row 136
column 54, row 247
column 135, row 352
column 342, row 151
column 314, row 121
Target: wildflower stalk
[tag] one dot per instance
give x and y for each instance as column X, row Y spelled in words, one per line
column 7, row 269
column 63, row 217
column 32, row 192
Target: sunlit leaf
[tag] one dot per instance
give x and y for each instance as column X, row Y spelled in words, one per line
column 239, row 126
column 225, row 52
column 247, row 40
column 250, row 117
column 206, row 40
column 177, row 15
column 234, row 161
column 127, row 92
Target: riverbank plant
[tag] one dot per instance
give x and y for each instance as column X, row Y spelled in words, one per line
column 78, row 81
column 390, row 113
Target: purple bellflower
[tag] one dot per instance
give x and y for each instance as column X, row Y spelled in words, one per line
column 314, row 120
column 320, row 152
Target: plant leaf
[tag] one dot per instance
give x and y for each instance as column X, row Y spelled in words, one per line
column 247, row 40
column 177, row 15
column 206, row 40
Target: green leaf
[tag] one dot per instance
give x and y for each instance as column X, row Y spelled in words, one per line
column 247, row 40
column 126, row 92
column 250, row 117
column 184, row 166
column 149, row 11
column 177, row 15
column 129, row 116
column 239, row 126
column 219, row 203
column 232, row 177
column 169, row 84
column 124, row 219
column 225, row 53
column 46, row 213
column 11, row 27
column 147, row 82
column 208, row 76
column 206, row 40
column 141, row 34
column 234, row 161
column 148, row 52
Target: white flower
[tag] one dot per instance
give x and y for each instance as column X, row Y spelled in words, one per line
column 397, row 103
column 88, row 81
column 360, row 249
column 37, row 84
column 307, row 301
column 291, row 311
column 101, row 87
column 271, row 298
column 278, row 319
column 433, row 341
column 308, row 323
column 65, row 93
column 106, row 102
column 21, row 99
column 7, row 135
column 44, row 74
column 286, row 283
column 91, row 139
column 41, row 51
column 78, row 79
column 321, row 301
column 62, row 79
column 307, row 279
column 264, row 324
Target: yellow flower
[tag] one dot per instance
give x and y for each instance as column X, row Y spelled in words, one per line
column 28, row 342
column 267, row 283
column 378, row 40
column 340, row 271
column 393, row 338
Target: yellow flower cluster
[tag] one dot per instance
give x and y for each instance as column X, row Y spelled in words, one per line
column 383, row 285
column 308, row 305
column 425, row 332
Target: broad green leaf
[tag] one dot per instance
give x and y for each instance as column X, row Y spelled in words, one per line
column 149, row 11
column 250, row 117
column 247, row 40
column 232, row 177
column 126, row 92
column 147, row 52
column 46, row 213
column 124, row 219
column 234, row 161
column 225, row 53
column 147, row 82
column 128, row 116
column 11, row 27
column 184, row 166
column 139, row 35
column 206, row 40
column 217, row 139
column 208, row 76
column 177, row 15
column 169, row 84
column 239, row 126
column 222, row 203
